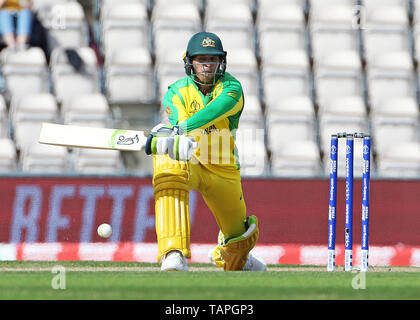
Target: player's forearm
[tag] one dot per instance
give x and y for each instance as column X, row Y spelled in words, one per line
column 223, row 107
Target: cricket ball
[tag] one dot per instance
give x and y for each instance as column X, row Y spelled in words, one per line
column 104, row 230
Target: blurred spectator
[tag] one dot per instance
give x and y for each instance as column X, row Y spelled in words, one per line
column 16, row 35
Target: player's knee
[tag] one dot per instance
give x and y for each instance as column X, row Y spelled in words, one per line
column 169, row 174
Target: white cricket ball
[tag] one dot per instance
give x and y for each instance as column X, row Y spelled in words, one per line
column 104, row 230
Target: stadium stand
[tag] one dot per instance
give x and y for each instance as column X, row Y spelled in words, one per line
column 232, row 22
column 130, row 76
column 87, row 110
column 4, row 123
column 401, row 160
column 124, row 25
column 24, row 72
column 65, row 23
column 8, row 156
column 287, row 74
column 71, row 78
column 280, row 27
column 308, row 68
column 243, row 64
column 40, row 158
column 172, row 25
column 27, row 114
column 297, row 159
column 97, row 161
column 290, row 117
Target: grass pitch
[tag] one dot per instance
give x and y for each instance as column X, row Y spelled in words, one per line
column 87, row 280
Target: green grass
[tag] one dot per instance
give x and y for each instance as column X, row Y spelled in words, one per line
column 33, row 280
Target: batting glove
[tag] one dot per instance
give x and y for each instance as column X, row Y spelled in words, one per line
column 167, row 139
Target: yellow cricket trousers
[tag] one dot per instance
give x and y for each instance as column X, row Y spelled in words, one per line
column 172, row 181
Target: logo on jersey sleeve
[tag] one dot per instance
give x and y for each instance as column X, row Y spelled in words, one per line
column 168, row 111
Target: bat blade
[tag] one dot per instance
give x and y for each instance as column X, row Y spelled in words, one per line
column 91, row 137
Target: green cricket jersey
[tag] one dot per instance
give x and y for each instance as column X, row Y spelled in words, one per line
column 211, row 120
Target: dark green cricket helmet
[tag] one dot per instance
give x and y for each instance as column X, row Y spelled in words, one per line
column 204, row 43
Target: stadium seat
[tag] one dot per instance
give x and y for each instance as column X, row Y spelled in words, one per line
column 44, row 158
column 351, row 106
column 332, row 30
column 129, row 76
column 390, row 76
column 27, row 114
column 242, row 64
column 251, row 149
column 167, row 78
column 296, row 159
column 315, row 4
column 338, row 74
column 24, row 72
column 252, row 112
column 85, row 109
column 38, row 5
column 197, row 3
column 8, row 157
column 173, row 25
column 386, row 31
column 35, row 107
column 293, row 105
column 249, row 3
column 96, row 161
column 416, row 28
column 4, row 114
column 124, row 25
column 280, row 27
column 250, row 141
column 169, row 68
column 402, row 160
column 287, row 74
column 25, row 133
column 69, row 81
column 66, row 25
column 232, row 22
column 291, row 117
column 374, row 4
column 396, row 121
column 269, row 3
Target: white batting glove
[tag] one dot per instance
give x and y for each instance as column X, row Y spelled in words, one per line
column 166, row 139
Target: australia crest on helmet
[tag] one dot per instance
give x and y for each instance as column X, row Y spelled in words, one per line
column 208, row 42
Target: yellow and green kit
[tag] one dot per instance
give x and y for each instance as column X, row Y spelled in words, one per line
column 214, row 170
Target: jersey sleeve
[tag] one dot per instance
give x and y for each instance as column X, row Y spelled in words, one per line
column 174, row 107
column 228, row 102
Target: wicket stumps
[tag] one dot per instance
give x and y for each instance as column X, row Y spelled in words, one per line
column 348, row 240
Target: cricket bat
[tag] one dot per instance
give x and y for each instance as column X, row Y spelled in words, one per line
column 91, row 137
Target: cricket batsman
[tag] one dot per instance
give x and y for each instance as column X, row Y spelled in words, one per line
column 196, row 151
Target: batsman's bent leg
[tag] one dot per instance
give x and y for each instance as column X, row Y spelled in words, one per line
column 232, row 253
column 171, row 191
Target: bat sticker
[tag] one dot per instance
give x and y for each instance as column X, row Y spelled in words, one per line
column 128, row 141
